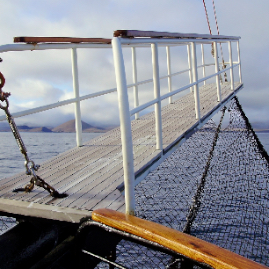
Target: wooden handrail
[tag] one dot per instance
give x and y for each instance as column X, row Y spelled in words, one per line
column 137, row 33
column 35, row 40
column 187, row 245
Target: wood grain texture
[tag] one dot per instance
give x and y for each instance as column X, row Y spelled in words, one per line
column 137, row 33
column 187, row 245
column 40, row 39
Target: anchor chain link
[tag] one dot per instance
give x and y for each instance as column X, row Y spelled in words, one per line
column 30, row 166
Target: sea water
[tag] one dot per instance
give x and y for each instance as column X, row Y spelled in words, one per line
column 264, row 138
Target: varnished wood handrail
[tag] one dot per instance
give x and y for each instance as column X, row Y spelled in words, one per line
column 154, row 34
column 187, row 245
column 46, row 39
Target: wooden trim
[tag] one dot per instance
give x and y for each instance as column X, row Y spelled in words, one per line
column 35, row 40
column 136, row 33
column 36, row 210
column 192, row 247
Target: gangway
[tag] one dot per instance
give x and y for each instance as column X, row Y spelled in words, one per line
column 103, row 172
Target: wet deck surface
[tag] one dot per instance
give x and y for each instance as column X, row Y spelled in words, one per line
column 91, row 174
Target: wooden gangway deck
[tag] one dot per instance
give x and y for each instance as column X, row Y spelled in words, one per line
column 92, row 175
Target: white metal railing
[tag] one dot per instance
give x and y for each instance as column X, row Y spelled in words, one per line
column 117, row 44
column 152, row 41
column 77, row 98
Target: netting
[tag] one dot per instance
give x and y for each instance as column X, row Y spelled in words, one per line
column 223, row 175
column 6, row 223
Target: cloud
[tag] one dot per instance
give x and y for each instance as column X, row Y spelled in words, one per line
column 39, row 77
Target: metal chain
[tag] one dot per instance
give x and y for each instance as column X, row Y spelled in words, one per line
column 31, row 167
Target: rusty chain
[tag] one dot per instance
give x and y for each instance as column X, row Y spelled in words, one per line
column 31, row 167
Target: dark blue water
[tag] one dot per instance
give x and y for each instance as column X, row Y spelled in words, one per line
column 264, row 138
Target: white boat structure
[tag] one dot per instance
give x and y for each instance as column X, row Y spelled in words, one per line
column 100, row 177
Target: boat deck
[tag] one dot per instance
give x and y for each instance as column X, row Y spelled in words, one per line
column 91, row 174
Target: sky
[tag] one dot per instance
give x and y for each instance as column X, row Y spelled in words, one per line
column 38, row 78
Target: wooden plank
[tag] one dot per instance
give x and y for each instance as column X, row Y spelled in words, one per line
column 137, row 33
column 82, row 170
column 84, row 191
column 69, row 183
column 42, row 211
column 86, row 185
column 70, row 170
column 114, row 199
column 187, row 245
column 63, row 162
column 39, row 39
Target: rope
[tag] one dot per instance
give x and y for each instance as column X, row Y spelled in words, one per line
column 206, row 14
column 208, row 23
column 221, row 51
column 215, row 14
column 196, row 200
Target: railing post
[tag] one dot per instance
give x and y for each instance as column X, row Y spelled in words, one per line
column 231, row 65
column 169, row 72
column 203, row 61
column 239, row 61
column 78, row 124
column 195, row 79
column 189, row 64
column 125, row 126
column 217, row 70
column 135, row 88
column 157, row 95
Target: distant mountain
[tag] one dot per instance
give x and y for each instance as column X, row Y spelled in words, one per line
column 24, row 127
column 41, row 129
column 69, row 127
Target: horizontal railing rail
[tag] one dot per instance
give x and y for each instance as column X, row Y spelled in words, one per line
column 167, row 95
column 58, row 104
column 97, row 94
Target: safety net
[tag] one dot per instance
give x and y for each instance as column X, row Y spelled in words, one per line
column 215, row 187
